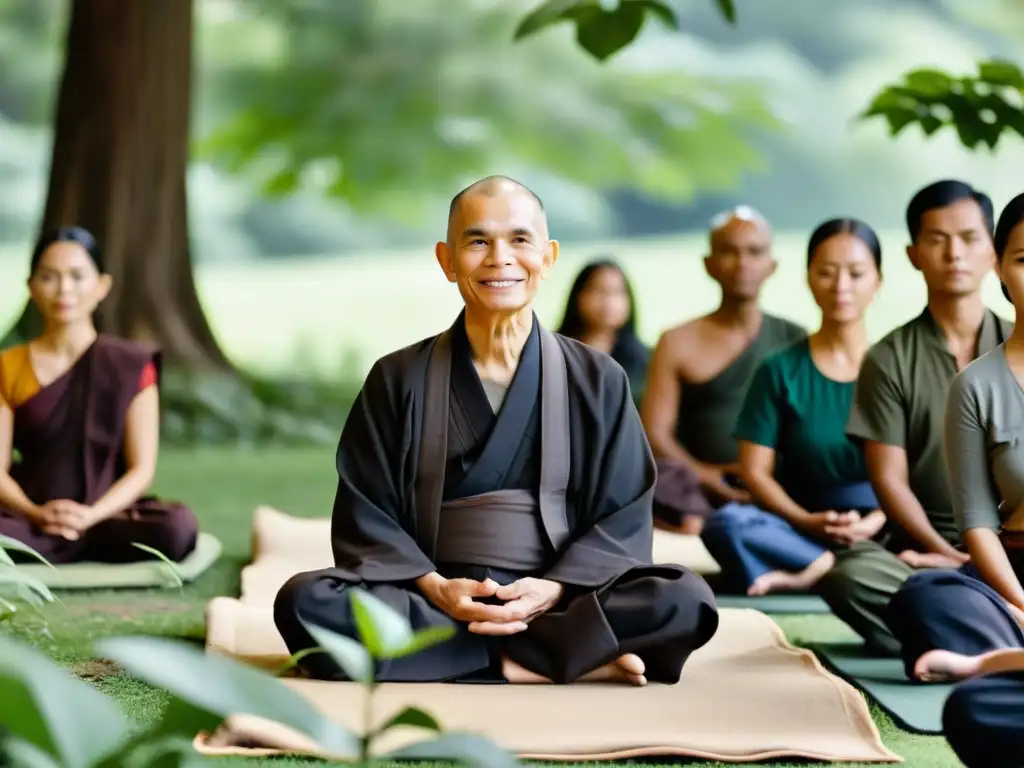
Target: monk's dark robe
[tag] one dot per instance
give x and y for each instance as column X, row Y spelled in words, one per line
column 557, row 485
column 70, row 438
column 707, row 416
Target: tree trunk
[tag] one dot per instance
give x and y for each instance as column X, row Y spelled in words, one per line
column 120, row 155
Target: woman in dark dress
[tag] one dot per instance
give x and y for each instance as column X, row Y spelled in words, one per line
column 601, row 313
column 82, row 410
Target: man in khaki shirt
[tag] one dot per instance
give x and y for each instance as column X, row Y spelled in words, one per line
column 899, row 406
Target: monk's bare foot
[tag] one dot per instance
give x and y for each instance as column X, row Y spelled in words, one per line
column 628, row 668
column 518, row 674
column 775, row 581
column 944, row 666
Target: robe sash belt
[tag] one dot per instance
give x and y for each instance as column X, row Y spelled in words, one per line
column 498, row 530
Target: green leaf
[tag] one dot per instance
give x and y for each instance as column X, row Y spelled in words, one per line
column 728, row 10
column 27, row 587
column 550, row 13
column 381, row 628
column 54, row 711
column 22, row 754
column 468, row 748
column 208, row 687
column 150, row 752
column 172, row 567
column 350, row 655
column 6, row 542
column 7, row 610
column 664, row 12
column 282, row 183
column 295, row 658
column 605, row 33
column 999, row 72
column 413, row 717
column 929, row 82
column 425, row 638
column 979, row 111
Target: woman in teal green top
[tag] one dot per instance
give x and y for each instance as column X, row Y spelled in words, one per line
column 808, row 480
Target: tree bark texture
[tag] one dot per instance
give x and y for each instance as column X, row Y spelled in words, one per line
column 120, row 155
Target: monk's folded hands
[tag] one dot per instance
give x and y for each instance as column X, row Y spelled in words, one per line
column 526, row 599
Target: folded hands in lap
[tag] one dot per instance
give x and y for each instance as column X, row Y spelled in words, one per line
column 845, row 528
column 523, row 601
column 65, row 518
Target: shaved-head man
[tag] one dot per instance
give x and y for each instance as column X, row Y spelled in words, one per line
column 495, row 480
column 701, row 369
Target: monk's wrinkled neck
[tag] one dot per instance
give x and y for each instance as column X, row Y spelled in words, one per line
column 958, row 317
column 497, row 340
column 738, row 313
column 67, row 339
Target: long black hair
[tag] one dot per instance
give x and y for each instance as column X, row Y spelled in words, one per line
column 628, row 351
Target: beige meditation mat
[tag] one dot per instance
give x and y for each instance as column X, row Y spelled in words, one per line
column 748, row 695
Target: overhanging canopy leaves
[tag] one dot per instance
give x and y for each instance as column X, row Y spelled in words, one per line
column 379, row 103
column 980, row 108
column 605, row 28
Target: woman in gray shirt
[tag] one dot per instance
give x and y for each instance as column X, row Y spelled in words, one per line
column 956, row 623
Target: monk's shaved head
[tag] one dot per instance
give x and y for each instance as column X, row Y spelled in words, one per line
column 490, row 187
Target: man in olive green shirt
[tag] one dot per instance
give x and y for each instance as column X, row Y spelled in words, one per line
column 900, row 403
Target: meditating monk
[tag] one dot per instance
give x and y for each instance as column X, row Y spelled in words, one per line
column 899, row 409
column 700, row 372
column 945, row 618
column 601, row 312
column 82, row 411
column 807, row 478
column 496, row 479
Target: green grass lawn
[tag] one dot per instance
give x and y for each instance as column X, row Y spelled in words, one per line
column 224, row 486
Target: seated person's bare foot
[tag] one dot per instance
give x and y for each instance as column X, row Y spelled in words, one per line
column 775, row 581
column 628, row 668
column 943, row 666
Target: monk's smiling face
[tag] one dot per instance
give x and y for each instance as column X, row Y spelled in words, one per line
column 498, row 250
column 67, row 286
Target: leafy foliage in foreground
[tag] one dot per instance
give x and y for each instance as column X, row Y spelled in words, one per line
column 51, row 718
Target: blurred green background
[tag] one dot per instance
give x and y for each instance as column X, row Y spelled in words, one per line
column 327, row 139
